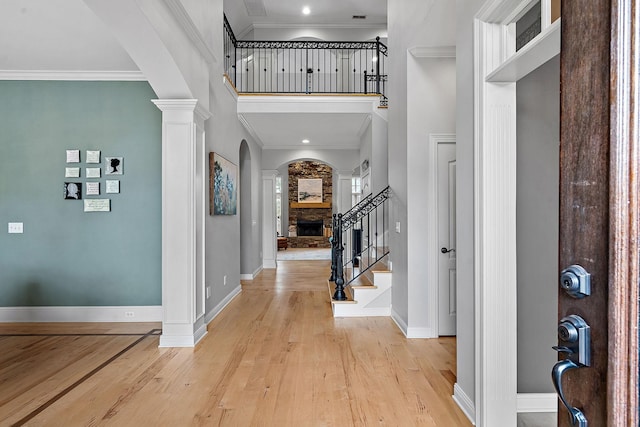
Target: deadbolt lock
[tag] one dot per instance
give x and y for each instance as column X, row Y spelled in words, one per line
column 576, row 281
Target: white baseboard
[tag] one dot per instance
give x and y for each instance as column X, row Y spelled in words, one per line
column 252, row 275
column 465, row 403
column 269, row 263
column 150, row 313
column 221, row 305
column 420, row 333
column 537, row 402
column 401, row 323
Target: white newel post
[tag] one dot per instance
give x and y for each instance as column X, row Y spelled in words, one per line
column 269, row 242
column 182, row 220
column 344, row 191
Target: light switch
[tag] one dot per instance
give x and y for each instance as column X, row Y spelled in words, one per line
column 15, row 227
column 398, row 227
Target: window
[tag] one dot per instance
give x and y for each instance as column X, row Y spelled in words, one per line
column 529, row 26
column 356, row 190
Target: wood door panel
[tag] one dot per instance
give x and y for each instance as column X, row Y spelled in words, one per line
column 625, row 213
column 584, row 190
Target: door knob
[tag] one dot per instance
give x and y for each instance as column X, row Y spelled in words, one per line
column 446, row 251
column 574, row 336
column 577, row 417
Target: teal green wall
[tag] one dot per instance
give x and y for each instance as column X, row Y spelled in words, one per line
column 67, row 257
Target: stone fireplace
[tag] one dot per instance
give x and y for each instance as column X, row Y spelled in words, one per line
column 310, row 228
column 309, row 220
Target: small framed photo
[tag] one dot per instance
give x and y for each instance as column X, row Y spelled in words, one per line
column 112, row 186
column 92, row 188
column 73, row 156
column 93, row 156
column 93, row 172
column 73, row 190
column 72, row 172
column 97, row 205
column 113, row 165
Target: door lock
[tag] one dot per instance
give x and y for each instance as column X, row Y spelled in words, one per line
column 575, row 340
column 575, row 336
column 576, row 281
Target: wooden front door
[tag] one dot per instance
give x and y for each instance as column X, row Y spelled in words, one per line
column 598, row 203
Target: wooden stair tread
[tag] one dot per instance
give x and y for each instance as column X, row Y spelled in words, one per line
column 347, row 291
column 362, row 282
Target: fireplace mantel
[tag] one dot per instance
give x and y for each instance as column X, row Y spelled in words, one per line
column 296, row 205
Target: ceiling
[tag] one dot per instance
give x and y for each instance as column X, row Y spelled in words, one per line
column 65, row 35
column 243, row 14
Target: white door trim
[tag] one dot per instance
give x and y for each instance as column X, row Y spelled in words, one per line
column 433, row 254
column 495, row 216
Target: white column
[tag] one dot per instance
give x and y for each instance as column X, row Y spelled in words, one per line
column 183, row 191
column 495, row 235
column 269, row 242
column 344, row 191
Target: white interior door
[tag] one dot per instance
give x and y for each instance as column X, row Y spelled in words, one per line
column 447, row 238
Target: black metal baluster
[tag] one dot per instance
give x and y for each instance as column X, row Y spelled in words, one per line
column 339, row 294
column 378, row 65
column 334, row 247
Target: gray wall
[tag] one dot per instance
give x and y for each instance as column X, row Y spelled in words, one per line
column 283, row 172
column 538, row 134
column 247, row 264
column 223, row 254
column 431, row 110
column 412, row 24
column 67, row 257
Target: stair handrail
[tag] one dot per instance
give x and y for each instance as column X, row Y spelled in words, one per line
column 363, row 210
column 358, row 206
column 342, row 223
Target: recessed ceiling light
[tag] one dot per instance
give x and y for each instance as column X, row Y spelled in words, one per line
column 306, row 10
column 305, row 141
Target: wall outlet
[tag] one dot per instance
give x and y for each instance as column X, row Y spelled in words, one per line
column 16, row 227
column 129, row 314
column 208, row 291
column 224, row 280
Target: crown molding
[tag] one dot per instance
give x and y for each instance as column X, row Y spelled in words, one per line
column 72, row 75
column 250, row 129
column 355, row 26
column 186, row 23
column 310, row 147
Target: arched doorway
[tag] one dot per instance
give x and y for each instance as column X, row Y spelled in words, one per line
column 249, row 261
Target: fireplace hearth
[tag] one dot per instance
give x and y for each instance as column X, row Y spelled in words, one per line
column 310, row 228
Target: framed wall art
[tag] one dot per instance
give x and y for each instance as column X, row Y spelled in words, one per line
column 310, row 190
column 113, row 165
column 223, row 186
column 73, row 190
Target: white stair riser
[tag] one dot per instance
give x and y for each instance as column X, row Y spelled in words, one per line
column 369, row 302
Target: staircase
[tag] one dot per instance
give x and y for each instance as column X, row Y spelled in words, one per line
column 362, row 278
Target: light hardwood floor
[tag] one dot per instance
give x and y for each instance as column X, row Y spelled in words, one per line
column 274, row 357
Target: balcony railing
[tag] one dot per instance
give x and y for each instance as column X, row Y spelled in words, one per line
column 308, row 67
